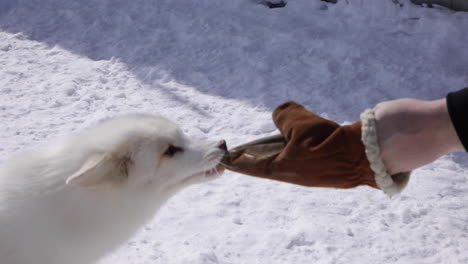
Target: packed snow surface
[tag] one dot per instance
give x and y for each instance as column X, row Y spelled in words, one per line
column 218, row 68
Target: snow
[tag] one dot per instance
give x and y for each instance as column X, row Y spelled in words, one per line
column 218, row 68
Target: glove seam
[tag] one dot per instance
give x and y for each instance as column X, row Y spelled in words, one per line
column 369, row 138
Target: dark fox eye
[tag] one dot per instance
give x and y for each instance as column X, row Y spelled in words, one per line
column 172, row 150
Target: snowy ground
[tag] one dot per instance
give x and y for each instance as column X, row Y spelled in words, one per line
column 218, row 68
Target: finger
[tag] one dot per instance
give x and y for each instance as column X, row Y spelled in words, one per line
column 249, row 163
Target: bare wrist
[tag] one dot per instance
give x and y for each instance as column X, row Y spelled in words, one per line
column 446, row 131
column 413, row 133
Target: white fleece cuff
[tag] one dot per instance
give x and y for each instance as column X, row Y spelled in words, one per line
column 389, row 184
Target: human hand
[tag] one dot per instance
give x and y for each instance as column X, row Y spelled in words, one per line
column 310, row 151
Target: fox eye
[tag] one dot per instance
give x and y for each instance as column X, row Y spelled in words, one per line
column 172, row 150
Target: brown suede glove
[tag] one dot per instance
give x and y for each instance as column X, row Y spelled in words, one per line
column 311, row 151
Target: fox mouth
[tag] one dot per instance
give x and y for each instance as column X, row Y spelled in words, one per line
column 212, row 166
column 215, row 162
column 208, row 174
column 215, row 171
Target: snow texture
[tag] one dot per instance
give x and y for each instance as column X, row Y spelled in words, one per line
column 218, row 68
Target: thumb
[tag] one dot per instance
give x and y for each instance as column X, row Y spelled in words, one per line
column 297, row 123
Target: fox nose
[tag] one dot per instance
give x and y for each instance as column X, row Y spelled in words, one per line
column 222, row 145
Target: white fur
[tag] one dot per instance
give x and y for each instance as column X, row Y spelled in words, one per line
column 76, row 200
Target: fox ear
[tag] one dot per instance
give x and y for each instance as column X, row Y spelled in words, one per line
column 100, row 170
